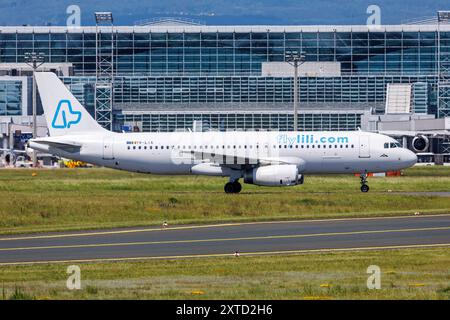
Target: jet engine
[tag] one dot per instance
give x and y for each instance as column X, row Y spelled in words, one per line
column 273, row 176
column 420, row 143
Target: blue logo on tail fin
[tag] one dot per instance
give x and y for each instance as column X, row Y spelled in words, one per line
column 65, row 116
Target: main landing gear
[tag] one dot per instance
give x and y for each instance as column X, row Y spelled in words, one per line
column 233, row 187
column 364, row 186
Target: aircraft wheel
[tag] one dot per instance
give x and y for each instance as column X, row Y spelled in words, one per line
column 364, row 188
column 237, row 187
column 229, row 187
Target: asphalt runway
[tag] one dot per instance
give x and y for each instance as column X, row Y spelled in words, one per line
column 226, row 239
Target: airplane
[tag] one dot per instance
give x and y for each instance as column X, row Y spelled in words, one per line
column 263, row 158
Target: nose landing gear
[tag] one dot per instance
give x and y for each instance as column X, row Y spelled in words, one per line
column 364, row 186
column 233, row 187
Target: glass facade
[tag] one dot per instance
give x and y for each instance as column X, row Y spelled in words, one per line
column 241, row 90
column 242, row 121
column 164, row 67
column 420, row 97
column 144, row 51
column 10, row 98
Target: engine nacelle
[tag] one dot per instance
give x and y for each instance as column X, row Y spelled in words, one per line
column 420, row 143
column 274, row 176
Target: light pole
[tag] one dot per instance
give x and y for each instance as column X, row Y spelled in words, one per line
column 34, row 60
column 443, row 69
column 295, row 59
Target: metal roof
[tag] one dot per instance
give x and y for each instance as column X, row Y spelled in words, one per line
column 207, row 29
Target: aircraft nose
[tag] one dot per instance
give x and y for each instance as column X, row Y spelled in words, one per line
column 409, row 158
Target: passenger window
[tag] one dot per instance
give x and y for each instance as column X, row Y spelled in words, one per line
column 128, row 148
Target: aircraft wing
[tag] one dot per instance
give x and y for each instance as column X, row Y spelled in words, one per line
column 67, row 146
column 240, row 160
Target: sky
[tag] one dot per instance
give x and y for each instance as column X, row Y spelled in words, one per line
column 215, row 12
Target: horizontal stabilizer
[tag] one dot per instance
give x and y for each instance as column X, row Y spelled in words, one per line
column 62, row 145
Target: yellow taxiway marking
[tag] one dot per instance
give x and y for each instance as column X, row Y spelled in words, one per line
column 127, row 231
column 218, row 255
column 294, row 236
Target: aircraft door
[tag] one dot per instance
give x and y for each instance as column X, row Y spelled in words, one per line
column 364, row 146
column 108, row 152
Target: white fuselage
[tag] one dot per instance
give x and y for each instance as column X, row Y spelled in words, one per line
column 173, row 153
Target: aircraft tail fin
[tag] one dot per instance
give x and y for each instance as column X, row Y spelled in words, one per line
column 63, row 112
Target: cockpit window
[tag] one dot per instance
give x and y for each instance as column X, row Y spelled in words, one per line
column 386, row 145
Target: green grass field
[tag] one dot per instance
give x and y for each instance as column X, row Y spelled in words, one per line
column 96, row 198
column 405, row 274
column 70, row 199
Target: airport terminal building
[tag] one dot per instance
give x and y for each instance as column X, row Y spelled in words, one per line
column 173, row 75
